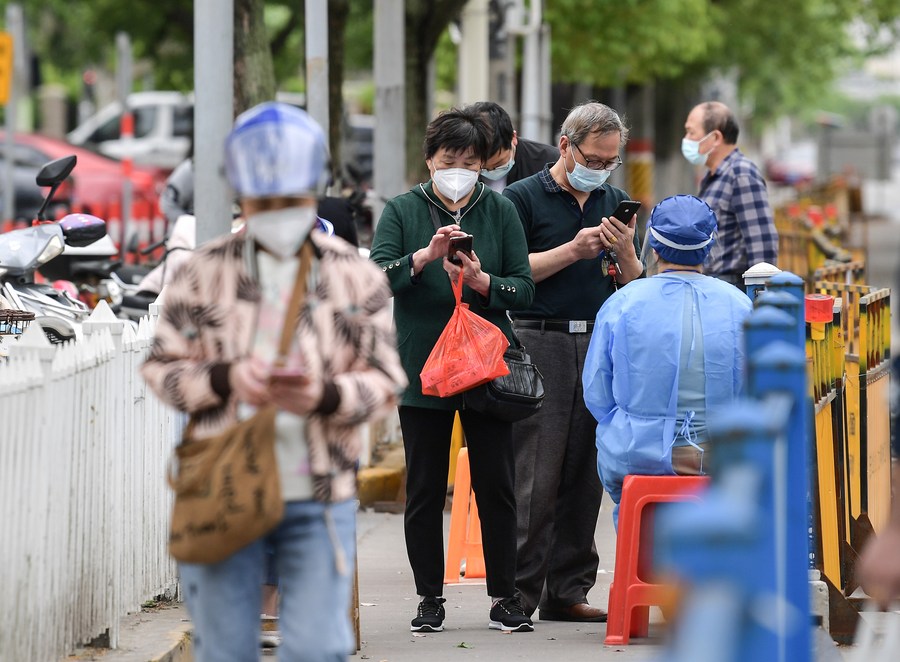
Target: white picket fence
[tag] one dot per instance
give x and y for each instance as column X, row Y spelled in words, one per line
column 84, row 507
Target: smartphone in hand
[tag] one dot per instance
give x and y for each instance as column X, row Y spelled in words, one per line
column 287, row 373
column 463, row 244
column 625, row 210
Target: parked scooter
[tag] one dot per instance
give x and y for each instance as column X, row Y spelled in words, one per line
column 136, row 299
column 22, row 252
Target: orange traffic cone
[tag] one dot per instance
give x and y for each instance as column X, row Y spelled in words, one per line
column 465, row 528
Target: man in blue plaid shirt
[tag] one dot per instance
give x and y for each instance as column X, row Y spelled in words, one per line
column 735, row 189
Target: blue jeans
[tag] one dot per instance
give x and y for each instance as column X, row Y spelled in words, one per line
column 224, row 598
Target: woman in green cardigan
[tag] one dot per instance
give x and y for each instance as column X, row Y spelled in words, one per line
column 496, row 278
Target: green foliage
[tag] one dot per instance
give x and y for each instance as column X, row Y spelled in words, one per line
column 627, row 41
column 446, row 63
column 785, row 53
column 359, row 38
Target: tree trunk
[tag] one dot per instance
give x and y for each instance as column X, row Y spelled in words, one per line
column 337, row 24
column 425, row 21
column 254, row 74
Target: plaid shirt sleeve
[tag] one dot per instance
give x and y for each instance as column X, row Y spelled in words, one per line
column 750, row 204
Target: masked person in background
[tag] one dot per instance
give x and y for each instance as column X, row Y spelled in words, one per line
column 736, row 191
column 665, row 350
column 212, row 357
column 496, row 278
column 513, row 158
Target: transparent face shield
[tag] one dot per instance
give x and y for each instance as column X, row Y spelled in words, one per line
column 649, row 257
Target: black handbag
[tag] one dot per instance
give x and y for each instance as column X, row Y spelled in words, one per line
column 512, row 397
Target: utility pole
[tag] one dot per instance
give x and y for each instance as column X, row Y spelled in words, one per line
column 15, row 28
column 214, row 101
column 390, row 103
column 474, row 53
column 535, row 68
column 124, row 80
column 316, row 32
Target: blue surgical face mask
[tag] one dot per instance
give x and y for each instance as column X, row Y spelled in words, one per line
column 499, row 173
column 690, row 149
column 584, row 179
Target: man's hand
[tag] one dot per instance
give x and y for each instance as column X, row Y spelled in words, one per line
column 616, row 234
column 588, row 243
column 297, row 393
column 248, row 379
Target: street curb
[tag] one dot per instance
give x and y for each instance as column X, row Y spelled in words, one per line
column 384, row 481
column 157, row 635
column 180, row 651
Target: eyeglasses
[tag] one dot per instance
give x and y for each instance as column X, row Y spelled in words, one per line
column 599, row 165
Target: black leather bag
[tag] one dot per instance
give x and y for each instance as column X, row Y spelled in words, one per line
column 512, row 397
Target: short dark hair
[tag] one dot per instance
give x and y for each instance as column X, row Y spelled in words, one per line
column 718, row 117
column 501, row 124
column 458, row 130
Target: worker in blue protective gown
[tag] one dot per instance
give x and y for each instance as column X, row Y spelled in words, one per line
column 665, row 350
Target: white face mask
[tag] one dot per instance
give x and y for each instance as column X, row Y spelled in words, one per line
column 282, row 231
column 455, row 183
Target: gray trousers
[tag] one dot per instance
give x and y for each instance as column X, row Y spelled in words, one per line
column 558, row 490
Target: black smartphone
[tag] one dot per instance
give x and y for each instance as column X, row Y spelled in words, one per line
column 463, row 244
column 626, row 209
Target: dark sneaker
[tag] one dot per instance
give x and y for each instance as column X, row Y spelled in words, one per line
column 429, row 616
column 508, row 615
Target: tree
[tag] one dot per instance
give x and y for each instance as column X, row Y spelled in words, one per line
column 254, row 76
column 784, row 54
column 425, row 21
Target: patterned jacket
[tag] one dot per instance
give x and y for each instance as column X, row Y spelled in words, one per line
column 345, row 335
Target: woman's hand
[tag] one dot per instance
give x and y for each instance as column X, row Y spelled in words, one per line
column 436, row 248
column 297, row 393
column 248, row 379
column 473, row 276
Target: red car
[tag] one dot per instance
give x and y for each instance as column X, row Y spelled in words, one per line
column 95, row 186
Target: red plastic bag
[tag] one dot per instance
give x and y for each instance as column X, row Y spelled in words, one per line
column 469, row 352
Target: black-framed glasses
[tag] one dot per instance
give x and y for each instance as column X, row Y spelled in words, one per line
column 599, row 165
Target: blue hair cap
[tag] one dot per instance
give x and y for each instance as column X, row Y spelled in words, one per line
column 682, row 229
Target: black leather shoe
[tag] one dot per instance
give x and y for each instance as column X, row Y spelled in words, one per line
column 581, row 612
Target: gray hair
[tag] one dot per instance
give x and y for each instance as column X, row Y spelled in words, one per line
column 593, row 117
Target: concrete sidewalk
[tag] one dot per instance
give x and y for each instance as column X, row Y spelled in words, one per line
column 388, row 599
column 388, row 602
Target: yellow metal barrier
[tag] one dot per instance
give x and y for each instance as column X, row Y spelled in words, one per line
column 849, row 382
column 823, row 360
column 849, row 273
column 874, row 387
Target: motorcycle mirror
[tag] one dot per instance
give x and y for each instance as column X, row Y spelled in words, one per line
column 82, row 229
column 53, row 174
column 134, row 243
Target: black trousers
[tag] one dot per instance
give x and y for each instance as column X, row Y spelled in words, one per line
column 426, row 440
column 558, row 489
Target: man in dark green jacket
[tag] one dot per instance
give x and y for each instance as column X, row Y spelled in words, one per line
column 411, row 244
